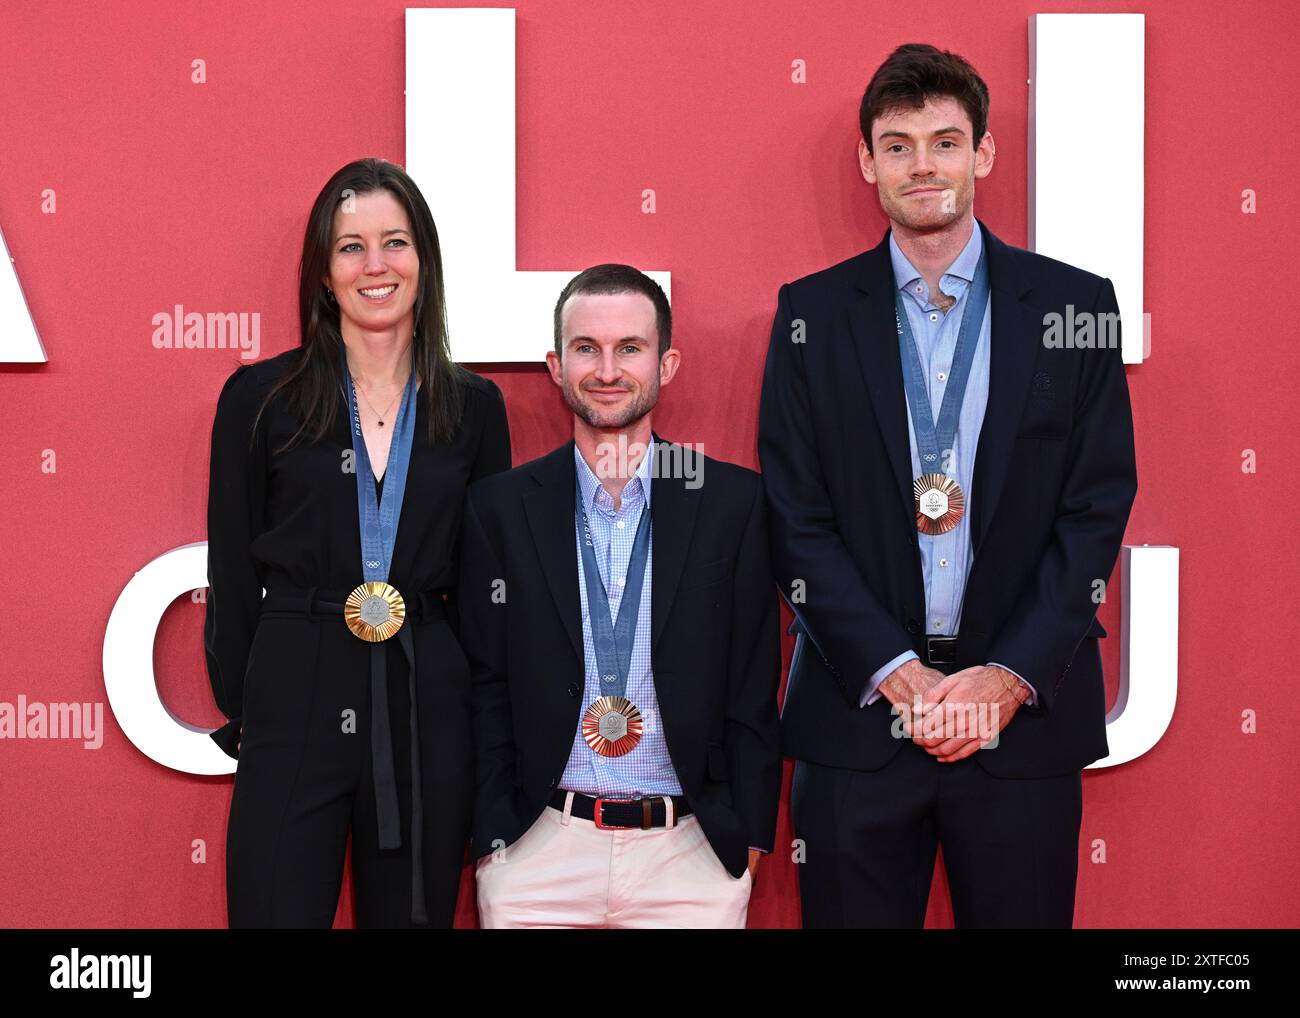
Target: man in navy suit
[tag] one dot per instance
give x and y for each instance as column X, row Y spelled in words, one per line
column 948, row 483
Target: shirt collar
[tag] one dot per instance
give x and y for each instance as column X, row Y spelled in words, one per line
column 591, row 487
column 963, row 266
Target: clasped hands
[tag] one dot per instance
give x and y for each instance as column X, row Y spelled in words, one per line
column 997, row 690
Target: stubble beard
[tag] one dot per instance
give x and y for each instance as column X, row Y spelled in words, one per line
column 618, row 418
column 900, row 209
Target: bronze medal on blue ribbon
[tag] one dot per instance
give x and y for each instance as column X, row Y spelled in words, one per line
column 939, row 503
column 612, row 724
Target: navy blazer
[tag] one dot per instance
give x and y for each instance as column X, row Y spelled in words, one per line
column 1055, row 477
column 715, row 645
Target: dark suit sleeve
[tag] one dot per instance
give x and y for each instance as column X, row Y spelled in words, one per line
column 483, row 629
column 491, row 457
column 494, row 438
column 236, row 506
column 1053, row 613
column 845, row 620
column 752, row 736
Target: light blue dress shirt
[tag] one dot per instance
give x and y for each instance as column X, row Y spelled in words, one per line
column 945, row 558
column 646, row 769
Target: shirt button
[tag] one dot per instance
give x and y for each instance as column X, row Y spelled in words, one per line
column 938, row 623
column 918, row 287
column 620, row 581
column 620, row 524
column 942, row 375
column 934, row 318
column 943, row 562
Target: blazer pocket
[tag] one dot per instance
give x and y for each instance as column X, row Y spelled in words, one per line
column 717, row 763
column 703, row 575
column 1044, row 422
column 1044, row 430
column 1047, row 412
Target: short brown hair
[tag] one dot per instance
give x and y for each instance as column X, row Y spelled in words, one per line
column 612, row 278
column 915, row 72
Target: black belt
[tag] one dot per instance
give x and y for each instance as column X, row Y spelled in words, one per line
column 424, row 607
column 940, row 652
column 609, row 813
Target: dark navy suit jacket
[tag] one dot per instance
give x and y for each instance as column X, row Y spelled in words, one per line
column 715, row 645
column 1055, row 477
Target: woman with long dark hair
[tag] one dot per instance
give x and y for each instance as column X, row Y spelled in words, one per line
column 338, row 476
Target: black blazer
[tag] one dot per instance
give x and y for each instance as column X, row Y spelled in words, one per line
column 715, row 648
column 1054, row 480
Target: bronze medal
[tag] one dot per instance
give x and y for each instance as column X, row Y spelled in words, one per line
column 612, row 726
column 374, row 611
column 939, row 503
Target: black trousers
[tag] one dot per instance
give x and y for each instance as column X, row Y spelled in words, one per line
column 1010, row 846
column 305, row 779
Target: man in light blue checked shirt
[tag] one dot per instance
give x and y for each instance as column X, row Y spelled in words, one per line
column 620, row 617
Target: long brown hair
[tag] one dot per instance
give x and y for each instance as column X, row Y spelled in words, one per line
column 314, row 386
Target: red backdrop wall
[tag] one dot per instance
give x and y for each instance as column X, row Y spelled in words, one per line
column 170, row 192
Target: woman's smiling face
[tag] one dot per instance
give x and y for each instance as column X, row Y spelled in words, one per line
column 374, row 267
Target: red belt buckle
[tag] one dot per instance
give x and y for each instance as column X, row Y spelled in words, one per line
column 596, row 814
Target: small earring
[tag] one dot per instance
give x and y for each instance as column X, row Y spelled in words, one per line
column 331, row 293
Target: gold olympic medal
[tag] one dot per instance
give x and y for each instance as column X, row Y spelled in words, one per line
column 939, row 503
column 612, row 726
column 374, row 611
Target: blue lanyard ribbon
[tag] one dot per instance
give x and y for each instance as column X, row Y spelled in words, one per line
column 613, row 640
column 378, row 523
column 379, row 517
column 933, row 437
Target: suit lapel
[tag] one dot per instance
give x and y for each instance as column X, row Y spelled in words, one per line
column 550, row 509
column 673, row 508
column 1016, row 328
column 875, row 336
